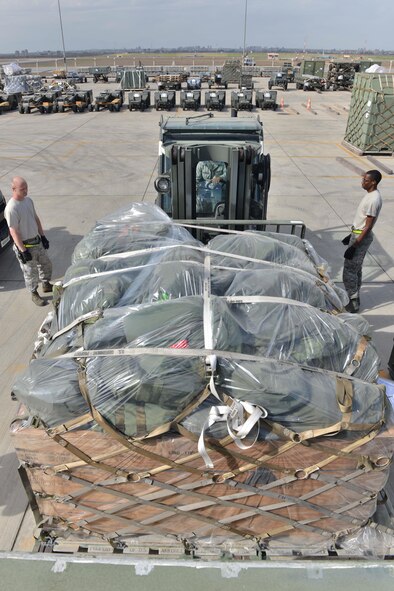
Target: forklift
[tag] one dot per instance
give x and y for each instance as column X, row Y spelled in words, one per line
column 189, row 147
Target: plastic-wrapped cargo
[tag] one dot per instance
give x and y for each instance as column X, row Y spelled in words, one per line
column 216, row 394
column 22, row 83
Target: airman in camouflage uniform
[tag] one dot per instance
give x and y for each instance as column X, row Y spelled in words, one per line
column 209, row 170
column 361, row 238
column 30, row 243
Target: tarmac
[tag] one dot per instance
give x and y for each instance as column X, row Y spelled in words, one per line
column 80, row 167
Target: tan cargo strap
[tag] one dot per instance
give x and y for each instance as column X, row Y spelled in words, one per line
column 88, row 459
column 89, row 317
column 344, row 399
column 306, row 472
column 150, row 503
column 355, row 362
column 190, row 509
column 157, row 430
column 221, row 447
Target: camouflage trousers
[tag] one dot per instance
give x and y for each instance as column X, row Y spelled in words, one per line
column 352, row 269
column 36, row 270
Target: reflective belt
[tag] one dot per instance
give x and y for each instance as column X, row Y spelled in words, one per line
column 357, row 231
column 32, row 241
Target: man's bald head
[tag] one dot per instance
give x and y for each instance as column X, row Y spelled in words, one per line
column 19, row 188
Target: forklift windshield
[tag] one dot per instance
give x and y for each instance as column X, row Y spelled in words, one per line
column 211, row 186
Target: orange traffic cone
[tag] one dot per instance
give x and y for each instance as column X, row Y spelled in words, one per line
column 282, row 103
column 309, row 104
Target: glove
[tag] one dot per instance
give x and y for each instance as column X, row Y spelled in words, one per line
column 45, row 242
column 346, row 240
column 350, row 252
column 24, row 256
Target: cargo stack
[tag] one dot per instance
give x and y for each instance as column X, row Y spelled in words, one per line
column 213, row 395
column 371, row 117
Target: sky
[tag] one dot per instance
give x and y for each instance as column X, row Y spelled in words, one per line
column 102, row 24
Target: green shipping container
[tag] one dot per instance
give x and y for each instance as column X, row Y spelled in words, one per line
column 370, row 126
column 313, row 68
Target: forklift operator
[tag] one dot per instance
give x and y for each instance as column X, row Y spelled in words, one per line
column 211, row 171
column 211, row 179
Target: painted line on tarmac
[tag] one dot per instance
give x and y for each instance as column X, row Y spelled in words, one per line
column 350, row 153
column 309, row 109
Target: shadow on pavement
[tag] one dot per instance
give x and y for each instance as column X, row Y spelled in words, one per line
column 61, row 247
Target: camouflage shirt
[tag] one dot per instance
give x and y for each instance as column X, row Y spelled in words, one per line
column 207, row 169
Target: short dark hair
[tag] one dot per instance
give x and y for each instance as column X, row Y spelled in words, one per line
column 375, row 175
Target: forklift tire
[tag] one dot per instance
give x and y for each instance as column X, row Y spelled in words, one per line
column 130, row 108
column 20, row 109
column 117, row 108
column 96, row 108
column 42, row 110
column 27, row 109
column 110, row 108
column 90, row 107
column 61, row 108
column 74, row 109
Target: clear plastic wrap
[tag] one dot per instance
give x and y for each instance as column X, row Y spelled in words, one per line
column 139, row 227
column 22, row 83
column 205, row 368
column 260, row 248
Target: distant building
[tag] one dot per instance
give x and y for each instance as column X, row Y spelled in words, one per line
column 272, row 56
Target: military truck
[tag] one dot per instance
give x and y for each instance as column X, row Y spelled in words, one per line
column 170, row 81
column 191, row 147
column 266, row 99
column 190, row 100
column 165, row 100
column 100, row 73
column 242, row 100
column 139, row 100
column 310, row 76
column 278, row 79
column 215, row 100
column 288, row 71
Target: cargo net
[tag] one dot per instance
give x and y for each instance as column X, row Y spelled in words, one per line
column 209, row 394
column 370, row 124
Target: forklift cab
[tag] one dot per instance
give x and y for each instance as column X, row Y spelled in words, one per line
column 212, row 168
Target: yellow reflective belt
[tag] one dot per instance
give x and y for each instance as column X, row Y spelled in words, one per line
column 357, row 231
